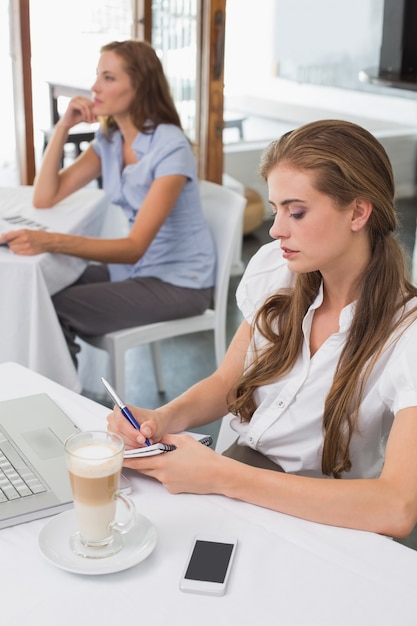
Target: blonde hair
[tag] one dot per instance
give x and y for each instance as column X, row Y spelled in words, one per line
column 346, row 162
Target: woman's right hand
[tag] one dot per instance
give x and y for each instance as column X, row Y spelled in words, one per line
column 80, row 109
column 150, row 422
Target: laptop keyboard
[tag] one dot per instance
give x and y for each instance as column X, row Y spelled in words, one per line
column 17, row 480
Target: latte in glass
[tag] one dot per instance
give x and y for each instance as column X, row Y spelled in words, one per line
column 94, row 461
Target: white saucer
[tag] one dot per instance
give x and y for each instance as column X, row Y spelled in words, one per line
column 55, row 547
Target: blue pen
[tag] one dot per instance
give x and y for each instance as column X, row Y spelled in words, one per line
column 128, row 415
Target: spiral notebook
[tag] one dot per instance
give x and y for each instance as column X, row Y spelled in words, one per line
column 160, row 448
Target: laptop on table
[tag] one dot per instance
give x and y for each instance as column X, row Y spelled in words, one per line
column 34, row 479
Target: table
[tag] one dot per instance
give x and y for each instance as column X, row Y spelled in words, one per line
column 234, row 120
column 80, row 133
column 62, row 90
column 373, row 76
column 30, row 333
column 287, row 571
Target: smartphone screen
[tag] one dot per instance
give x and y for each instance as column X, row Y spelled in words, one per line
column 208, row 567
column 209, row 561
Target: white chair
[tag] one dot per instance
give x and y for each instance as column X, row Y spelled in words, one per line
column 223, row 209
column 226, row 435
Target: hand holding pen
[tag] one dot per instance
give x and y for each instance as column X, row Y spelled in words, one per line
column 122, row 406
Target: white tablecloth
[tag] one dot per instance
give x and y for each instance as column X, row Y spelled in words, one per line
column 287, row 571
column 29, row 329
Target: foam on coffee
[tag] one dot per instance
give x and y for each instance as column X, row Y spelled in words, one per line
column 94, row 460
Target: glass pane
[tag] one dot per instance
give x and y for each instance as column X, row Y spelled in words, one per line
column 175, row 39
column 68, row 53
column 8, row 165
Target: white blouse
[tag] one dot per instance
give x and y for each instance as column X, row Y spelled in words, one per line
column 287, row 425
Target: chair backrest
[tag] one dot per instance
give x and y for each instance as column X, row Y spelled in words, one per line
column 223, row 209
column 226, row 435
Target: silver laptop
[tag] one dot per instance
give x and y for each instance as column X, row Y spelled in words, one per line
column 34, row 480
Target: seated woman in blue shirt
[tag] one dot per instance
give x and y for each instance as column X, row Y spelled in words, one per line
column 321, row 376
column 164, row 267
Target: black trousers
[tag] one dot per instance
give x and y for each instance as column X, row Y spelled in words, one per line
column 94, row 306
column 247, row 455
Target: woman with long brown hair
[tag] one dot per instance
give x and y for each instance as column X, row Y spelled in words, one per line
column 164, row 267
column 321, row 375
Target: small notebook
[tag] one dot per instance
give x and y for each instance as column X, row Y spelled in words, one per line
column 160, row 448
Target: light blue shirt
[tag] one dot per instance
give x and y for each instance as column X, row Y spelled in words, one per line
column 182, row 253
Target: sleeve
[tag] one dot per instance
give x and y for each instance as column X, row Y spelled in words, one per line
column 398, row 384
column 175, row 155
column 165, row 153
column 97, row 142
column 266, row 273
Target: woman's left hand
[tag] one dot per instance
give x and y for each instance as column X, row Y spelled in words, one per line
column 191, row 468
column 27, row 242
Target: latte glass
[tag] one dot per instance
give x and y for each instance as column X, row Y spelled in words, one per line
column 94, row 461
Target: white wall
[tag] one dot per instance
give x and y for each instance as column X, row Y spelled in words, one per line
column 324, row 41
column 262, row 43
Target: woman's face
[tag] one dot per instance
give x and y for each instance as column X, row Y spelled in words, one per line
column 315, row 233
column 113, row 92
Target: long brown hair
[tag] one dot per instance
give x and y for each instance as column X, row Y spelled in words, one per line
column 346, row 162
column 153, row 104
